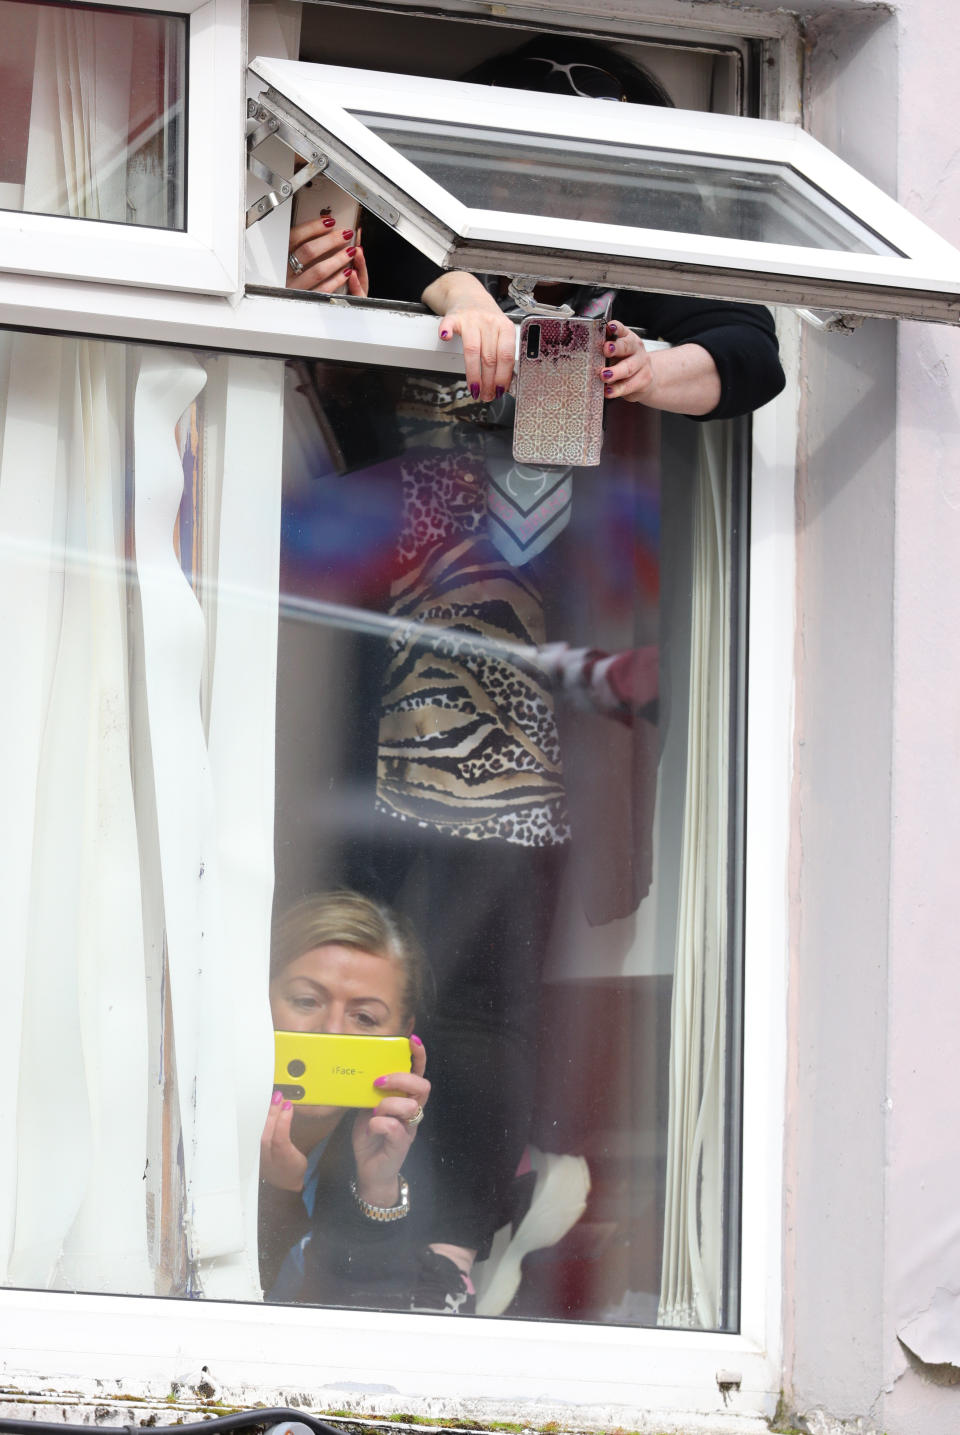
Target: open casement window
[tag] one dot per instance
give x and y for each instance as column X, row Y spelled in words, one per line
column 564, row 188
column 118, row 142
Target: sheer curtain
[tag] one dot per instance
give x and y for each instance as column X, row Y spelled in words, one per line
column 106, row 131
column 691, row 1292
column 137, row 841
column 73, row 1004
column 212, row 779
column 136, row 780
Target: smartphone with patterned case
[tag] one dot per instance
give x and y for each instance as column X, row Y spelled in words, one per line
column 559, row 391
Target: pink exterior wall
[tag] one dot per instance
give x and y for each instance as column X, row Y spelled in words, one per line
column 873, row 1155
column 923, row 1171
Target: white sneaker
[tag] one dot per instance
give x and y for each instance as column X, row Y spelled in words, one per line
column 558, row 1201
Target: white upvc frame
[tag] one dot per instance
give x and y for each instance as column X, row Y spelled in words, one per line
column 100, row 1346
column 573, row 1373
column 923, row 284
column 206, row 256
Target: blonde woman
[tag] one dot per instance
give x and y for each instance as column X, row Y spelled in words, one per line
column 339, row 1221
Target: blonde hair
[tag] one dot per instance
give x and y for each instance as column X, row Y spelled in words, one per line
column 347, row 919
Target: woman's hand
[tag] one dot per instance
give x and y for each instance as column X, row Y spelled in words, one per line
column 281, row 1163
column 627, row 371
column 683, row 380
column 488, row 336
column 330, row 258
column 382, row 1137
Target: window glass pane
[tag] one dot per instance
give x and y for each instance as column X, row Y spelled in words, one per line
column 500, row 721
column 92, row 113
column 574, row 178
column 504, row 713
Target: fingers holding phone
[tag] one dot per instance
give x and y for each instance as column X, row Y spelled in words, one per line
column 281, row 1163
column 326, row 259
column 358, row 280
column 382, row 1137
column 627, row 372
column 405, row 1095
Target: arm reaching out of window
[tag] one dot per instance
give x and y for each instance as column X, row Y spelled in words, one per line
column 683, row 380
column 488, row 336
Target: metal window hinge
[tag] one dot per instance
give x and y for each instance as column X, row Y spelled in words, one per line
column 262, row 125
column 266, row 120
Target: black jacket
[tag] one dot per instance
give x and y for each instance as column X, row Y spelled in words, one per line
column 740, row 337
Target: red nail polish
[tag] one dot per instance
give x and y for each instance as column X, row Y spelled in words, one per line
column 416, row 1040
column 329, row 222
column 349, row 269
column 347, row 233
column 352, row 251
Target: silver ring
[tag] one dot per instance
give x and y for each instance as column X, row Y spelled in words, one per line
column 295, row 265
column 415, row 1120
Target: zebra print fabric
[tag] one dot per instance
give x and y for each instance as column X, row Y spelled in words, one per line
column 468, row 743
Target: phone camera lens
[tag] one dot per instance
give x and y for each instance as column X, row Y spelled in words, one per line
column 533, row 341
column 296, row 1068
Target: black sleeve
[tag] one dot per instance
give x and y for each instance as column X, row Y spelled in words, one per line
column 397, row 270
column 740, row 338
column 352, row 1260
column 349, row 1260
column 282, row 1221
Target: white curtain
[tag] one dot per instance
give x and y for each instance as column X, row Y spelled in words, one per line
column 213, row 788
column 106, row 118
column 136, row 774
column 73, row 1008
column 691, row 1291
column 136, row 863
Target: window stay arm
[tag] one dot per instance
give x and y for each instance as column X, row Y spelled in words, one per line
column 267, row 121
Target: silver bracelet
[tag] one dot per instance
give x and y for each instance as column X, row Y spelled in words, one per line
column 384, row 1213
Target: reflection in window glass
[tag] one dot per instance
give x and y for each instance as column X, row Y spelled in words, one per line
column 499, row 727
column 92, row 113
column 504, row 716
column 627, row 184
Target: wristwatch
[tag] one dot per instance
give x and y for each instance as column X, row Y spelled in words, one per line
column 384, row 1213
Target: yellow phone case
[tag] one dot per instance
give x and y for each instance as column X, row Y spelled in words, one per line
column 317, row 1069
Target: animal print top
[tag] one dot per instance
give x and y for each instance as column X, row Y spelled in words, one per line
column 468, row 742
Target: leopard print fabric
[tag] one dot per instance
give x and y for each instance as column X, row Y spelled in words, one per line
column 468, row 742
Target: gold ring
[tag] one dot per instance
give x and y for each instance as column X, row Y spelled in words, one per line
column 415, row 1120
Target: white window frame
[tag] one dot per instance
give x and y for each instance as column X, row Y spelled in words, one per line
column 574, row 1373
column 924, row 284
column 206, row 256
column 100, row 1347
